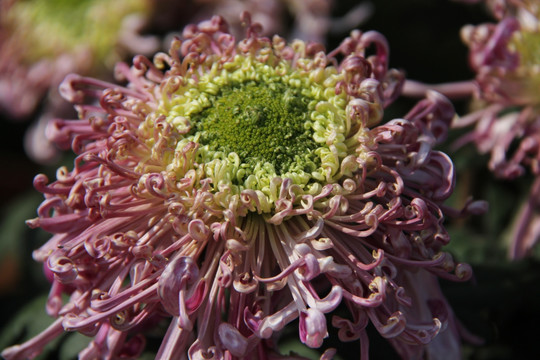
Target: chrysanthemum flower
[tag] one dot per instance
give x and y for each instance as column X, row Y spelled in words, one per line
column 232, row 188
column 506, row 106
column 43, row 40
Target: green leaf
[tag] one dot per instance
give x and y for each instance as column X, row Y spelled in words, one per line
column 28, row 322
column 73, row 344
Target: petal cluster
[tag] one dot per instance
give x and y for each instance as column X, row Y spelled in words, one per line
column 505, row 112
column 147, row 230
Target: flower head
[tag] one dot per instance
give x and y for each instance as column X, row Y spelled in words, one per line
column 506, row 107
column 232, row 188
column 41, row 41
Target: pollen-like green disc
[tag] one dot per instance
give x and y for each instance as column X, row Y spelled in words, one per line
column 262, row 123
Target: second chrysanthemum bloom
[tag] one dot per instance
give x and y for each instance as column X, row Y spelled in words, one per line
column 235, row 187
column 505, row 107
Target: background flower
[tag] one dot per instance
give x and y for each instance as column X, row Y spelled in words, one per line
column 505, row 58
column 42, row 41
column 503, row 107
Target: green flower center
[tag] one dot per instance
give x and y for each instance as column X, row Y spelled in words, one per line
column 261, row 123
column 245, row 122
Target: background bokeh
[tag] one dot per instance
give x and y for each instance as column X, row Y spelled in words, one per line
column 500, row 305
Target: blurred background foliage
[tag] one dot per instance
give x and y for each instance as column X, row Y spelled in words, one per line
column 500, row 305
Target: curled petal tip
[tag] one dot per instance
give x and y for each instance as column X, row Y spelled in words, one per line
column 312, row 328
column 233, row 341
column 478, row 207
